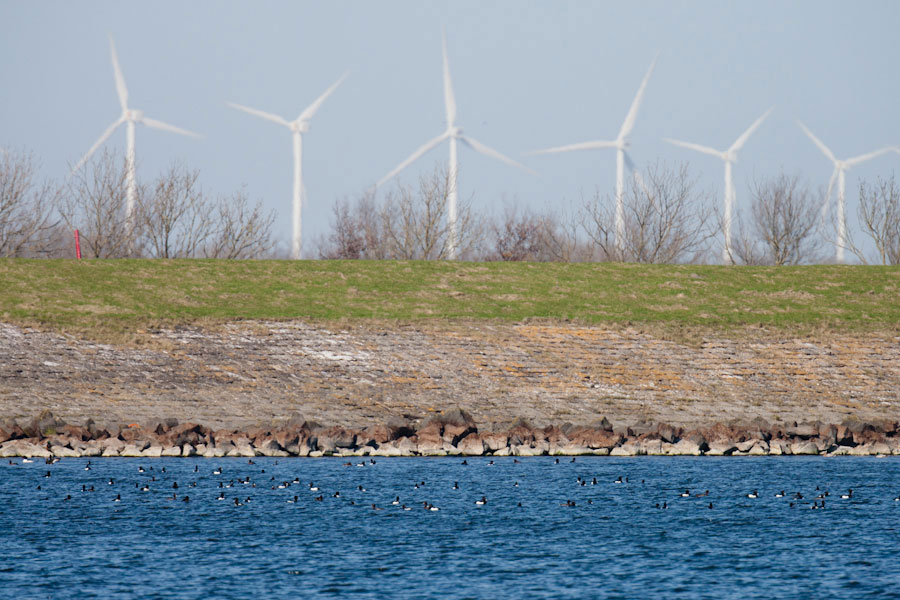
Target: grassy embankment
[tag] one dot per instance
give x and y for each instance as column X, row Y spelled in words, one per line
column 115, row 297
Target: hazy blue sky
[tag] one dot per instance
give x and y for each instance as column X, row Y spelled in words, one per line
column 527, row 75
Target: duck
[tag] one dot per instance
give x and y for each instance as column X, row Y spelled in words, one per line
column 374, row 507
column 753, row 494
column 145, row 488
column 217, row 471
column 118, row 498
column 87, row 467
column 237, row 502
column 703, row 495
column 780, row 494
column 619, row 480
column 141, row 470
column 292, row 500
column 186, row 499
column 396, row 501
column 221, row 496
column 312, row 487
column 686, row 494
column 481, row 502
column 27, row 460
column 455, row 485
column 848, row 495
column 360, row 488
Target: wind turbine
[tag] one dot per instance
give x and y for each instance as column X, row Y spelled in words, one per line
column 840, row 168
column 452, row 133
column 620, row 144
column 298, row 127
column 129, row 117
column 730, row 157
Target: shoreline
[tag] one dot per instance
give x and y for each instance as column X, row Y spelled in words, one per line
column 453, row 433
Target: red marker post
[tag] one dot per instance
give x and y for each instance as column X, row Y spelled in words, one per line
column 77, row 246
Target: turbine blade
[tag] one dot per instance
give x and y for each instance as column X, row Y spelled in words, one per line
column 109, row 131
column 697, row 147
column 166, row 127
column 412, row 158
column 259, row 113
column 828, row 153
column 631, row 117
column 314, row 107
column 449, row 98
column 850, row 162
column 579, row 146
column 479, row 147
column 739, row 143
column 121, row 90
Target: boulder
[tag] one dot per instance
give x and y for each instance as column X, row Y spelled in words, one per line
column 24, row 448
column 803, row 431
column 43, row 424
column 804, row 447
column 667, row 433
column 131, row 451
column 375, row 435
column 172, row 451
column 525, row 450
column 471, row 445
column 760, row 448
column 626, row 449
column 721, row 448
column 188, row 450
column 429, row 444
column 64, row 452
column 686, row 447
column 453, row 433
column 153, row 451
column 494, row 442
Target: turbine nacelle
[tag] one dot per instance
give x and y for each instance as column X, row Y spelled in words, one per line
column 133, row 114
column 454, row 131
column 299, row 126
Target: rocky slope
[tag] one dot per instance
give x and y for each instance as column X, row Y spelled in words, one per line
column 255, row 373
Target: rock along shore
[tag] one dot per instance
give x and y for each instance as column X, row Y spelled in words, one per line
column 452, row 433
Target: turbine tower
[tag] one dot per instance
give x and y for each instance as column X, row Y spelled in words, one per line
column 730, row 157
column 840, row 168
column 454, row 134
column 130, row 117
column 298, row 127
column 620, row 144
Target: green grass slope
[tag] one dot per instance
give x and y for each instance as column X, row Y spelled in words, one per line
column 127, row 295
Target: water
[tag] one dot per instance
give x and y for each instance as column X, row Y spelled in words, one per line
column 618, row 546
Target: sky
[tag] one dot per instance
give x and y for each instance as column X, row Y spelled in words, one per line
column 527, row 75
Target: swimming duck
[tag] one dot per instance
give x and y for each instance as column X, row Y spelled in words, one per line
column 481, row 502
column 396, row 501
column 780, row 494
column 217, row 471
column 753, row 494
column 686, row 494
column 848, row 495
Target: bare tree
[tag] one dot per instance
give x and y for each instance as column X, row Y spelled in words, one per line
column 879, row 218
column 240, row 230
column 175, row 217
column 782, row 227
column 666, row 219
column 355, row 231
column 95, row 205
column 516, row 236
column 414, row 221
column 28, row 221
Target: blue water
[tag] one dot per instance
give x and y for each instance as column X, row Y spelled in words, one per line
column 618, row 546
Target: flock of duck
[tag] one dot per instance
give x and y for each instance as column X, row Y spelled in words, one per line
column 238, row 491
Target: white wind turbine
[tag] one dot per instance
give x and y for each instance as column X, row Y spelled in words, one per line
column 129, row 117
column 620, row 144
column 840, row 168
column 298, row 127
column 452, row 133
column 730, row 157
